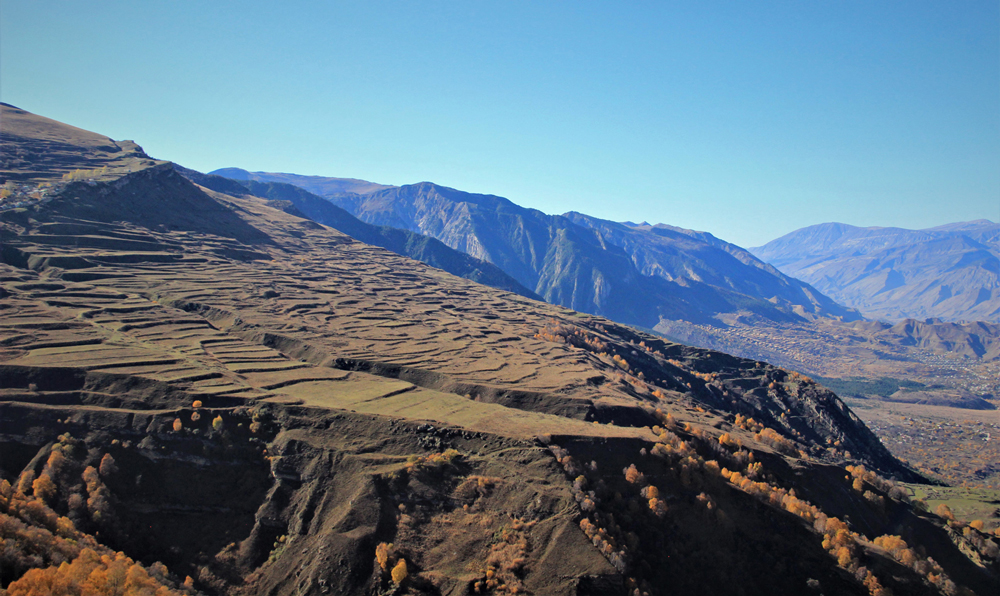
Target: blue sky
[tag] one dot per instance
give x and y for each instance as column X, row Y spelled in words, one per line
column 744, row 119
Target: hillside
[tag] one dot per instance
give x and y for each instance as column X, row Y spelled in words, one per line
column 950, row 272
column 37, row 149
column 269, row 406
column 694, row 288
column 298, row 201
column 633, row 275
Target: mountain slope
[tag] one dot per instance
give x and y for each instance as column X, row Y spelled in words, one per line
column 403, row 242
column 266, row 405
column 320, row 185
column 950, row 272
column 32, row 151
column 633, row 275
column 668, row 252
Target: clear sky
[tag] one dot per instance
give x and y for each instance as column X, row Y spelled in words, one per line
column 744, row 119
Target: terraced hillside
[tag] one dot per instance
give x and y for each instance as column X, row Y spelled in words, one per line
column 425, row 249
column 269, row 406
column 639, row 275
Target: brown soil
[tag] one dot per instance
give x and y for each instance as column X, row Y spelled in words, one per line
column 351, row 397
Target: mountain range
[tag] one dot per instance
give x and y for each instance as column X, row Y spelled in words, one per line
column 297, row 201
column 950, row 272
column 634, row 274
column 207, row 385
column 319, row 185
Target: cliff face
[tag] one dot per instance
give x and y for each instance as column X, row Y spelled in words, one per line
column 292, row 411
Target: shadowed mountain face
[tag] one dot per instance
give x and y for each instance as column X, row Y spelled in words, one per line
column 950, row 272
column 282, row 405
column 633, row 274
column 676, row 253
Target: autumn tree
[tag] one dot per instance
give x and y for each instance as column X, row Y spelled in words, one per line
column 99, row 498
column 44, row 488
column 944, row 512
column 382, row 555
column 25, row 481
column 633, row 475
column 107, row 466
column 399, row 572
column 57, row 466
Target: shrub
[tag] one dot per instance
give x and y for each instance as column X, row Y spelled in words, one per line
column 44, row 488
column 25, row 481
column 382, row 555
column 943, row 511
column 633, row 475
column 108, row 466
column 399, row 572
column 772, row 438
column 727, row 441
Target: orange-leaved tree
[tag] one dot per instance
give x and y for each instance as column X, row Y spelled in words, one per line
column 399, row 572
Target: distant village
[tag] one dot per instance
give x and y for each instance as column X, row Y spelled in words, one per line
column 18, row 195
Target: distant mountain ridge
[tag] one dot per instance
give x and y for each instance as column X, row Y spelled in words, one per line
column 320, row 185
column 950, row 272
column 638, row 274
column 676, row 253
column 298, row 201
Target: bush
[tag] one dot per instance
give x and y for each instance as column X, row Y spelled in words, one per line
column 399, row 572
column 944, row 512
column 108, row 466
column 382, row 555
column 44, row 488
